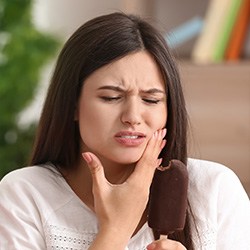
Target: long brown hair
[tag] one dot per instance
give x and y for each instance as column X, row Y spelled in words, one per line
column 95, row 44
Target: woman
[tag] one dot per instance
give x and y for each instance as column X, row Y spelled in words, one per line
column 114, row 105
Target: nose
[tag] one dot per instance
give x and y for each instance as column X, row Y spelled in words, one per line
column 131, row 113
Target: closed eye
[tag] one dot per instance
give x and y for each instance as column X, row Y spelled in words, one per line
column 110, row 98
column 151, row 101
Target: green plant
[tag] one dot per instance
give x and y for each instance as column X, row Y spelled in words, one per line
column 23, row 52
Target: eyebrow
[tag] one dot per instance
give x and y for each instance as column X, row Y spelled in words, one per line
column 119, row 89
column 111, row 87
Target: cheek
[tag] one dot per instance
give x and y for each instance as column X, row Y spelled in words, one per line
column 159, row 118
column 94, row 123
column 90, row 132
column 87, row 121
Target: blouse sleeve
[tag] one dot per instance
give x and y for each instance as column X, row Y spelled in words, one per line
column 233, row 214
column 20, row 224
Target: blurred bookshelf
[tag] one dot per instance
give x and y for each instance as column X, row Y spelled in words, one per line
column 169, row 16
column 217, row 93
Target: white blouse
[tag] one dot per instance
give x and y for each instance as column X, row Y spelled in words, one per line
column 38, row 210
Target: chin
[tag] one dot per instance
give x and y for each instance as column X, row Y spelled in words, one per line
column 122, row 156
column 128, row 159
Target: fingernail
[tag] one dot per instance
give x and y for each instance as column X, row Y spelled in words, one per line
column 87, row 157
column 159, row 161
column 163, row 143
column 164, row 132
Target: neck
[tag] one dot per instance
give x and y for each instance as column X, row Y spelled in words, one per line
column 117, row 173
column 80, row 179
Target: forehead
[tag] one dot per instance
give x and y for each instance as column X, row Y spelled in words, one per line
column 137, row 69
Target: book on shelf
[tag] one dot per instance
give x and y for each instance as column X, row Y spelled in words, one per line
column 213, row 20
column 226, row 30
column 238, row 36
column 246, row 48
column 184, row 32
column 221, row 26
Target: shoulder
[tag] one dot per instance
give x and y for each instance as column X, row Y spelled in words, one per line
column 31, row 172
column 213, row 185
column 35, row 185
column 208, row 174
column 30, row 198
column 197, row 166
column 219, row 203
column 36, row 176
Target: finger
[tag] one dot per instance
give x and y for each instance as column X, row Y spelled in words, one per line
column 159, row 161
column 155, row 145
column 163, row 143
column 95, row 168
column 165, row 244
column 149, row 161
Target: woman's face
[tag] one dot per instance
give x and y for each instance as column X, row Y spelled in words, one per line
column 120, row 106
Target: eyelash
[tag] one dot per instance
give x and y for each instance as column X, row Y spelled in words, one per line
column 151, row 101
column 111, row 99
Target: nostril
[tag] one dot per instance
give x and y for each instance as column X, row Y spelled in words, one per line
column 131, row 116
column 131, row 122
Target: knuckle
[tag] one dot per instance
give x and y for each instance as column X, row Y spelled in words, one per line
column 95, row 168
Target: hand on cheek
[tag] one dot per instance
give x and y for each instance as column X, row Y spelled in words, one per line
column 115, row 205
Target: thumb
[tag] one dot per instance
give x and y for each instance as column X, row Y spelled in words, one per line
column 95, row 168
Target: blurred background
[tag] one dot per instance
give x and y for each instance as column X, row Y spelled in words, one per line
column 215, row 69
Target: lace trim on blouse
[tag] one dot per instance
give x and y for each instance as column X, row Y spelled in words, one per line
column 67, row 239
column 60, row 238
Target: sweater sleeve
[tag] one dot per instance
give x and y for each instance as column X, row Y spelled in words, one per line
column 233, row 214
column 20, row 222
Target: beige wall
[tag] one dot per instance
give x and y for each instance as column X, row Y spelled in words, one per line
column 62, row 17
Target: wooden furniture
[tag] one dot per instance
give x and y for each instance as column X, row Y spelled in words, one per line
column 218, row 102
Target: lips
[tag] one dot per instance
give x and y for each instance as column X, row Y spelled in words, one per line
column 130, row 139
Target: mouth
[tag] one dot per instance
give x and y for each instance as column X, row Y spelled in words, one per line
column 130, row 139
column 130, row 136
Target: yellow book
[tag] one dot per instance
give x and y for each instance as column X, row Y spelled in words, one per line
column 226, row 29
column 203, row 50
